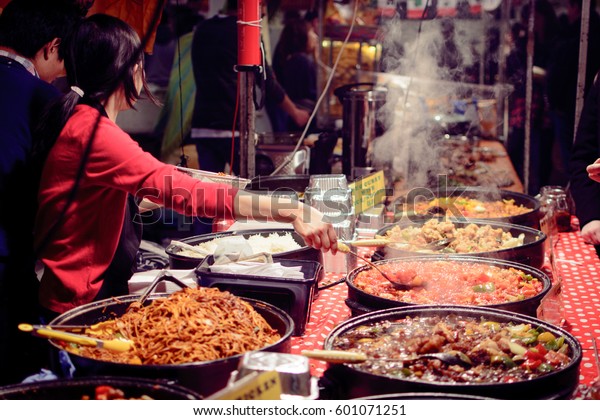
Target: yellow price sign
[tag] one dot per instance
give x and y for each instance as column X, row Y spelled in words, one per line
column 368, row 191
column 255, row 386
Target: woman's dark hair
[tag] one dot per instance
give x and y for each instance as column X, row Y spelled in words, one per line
column 293, row 39
column 100, row 56
column 27, row 25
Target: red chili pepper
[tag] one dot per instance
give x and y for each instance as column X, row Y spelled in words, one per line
column 536, row 353
column 532, row 364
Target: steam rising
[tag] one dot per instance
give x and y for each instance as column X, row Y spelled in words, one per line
column 423, row 77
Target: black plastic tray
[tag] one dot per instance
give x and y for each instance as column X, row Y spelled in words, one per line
column 294, row 296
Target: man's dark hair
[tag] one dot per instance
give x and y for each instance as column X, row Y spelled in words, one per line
column 27, row 25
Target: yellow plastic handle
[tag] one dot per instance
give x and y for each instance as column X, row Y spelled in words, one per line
column 335, row 356
column 370, row 242
column 115, row 345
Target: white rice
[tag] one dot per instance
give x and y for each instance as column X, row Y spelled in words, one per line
column 272, row 244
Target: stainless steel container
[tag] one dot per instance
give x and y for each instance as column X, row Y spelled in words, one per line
column 361, row 126
column 294, row 373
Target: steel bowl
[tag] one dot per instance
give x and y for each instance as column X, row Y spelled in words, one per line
column 348, row 381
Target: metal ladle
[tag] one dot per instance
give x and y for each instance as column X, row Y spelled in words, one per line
column 342, row 247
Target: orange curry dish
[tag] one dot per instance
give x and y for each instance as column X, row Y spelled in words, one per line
column 450, row 282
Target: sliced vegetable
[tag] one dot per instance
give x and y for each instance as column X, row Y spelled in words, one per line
column 484, row 288
column 545, row 368
column 516, row 348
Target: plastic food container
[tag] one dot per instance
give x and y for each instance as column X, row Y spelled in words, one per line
column 292, row 295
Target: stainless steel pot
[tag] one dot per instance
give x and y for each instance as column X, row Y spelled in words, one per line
column 360, row 102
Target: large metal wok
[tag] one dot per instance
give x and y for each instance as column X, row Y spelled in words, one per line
column 203, row 377
column 84, row 388
column 361, row 301
column 529, row 218
column 530, row 253
column 348, row 381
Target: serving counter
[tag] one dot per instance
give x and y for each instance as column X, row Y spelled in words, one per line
column 576, row 262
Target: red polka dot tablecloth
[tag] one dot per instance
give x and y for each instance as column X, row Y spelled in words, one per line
column 579, row 266
column 577, row 263
column 328, row 310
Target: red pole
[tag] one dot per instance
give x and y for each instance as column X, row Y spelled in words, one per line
column 249, row 33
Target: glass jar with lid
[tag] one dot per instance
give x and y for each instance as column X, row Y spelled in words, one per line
column 554, row 201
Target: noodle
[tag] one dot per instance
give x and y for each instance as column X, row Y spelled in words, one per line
column 191, row 325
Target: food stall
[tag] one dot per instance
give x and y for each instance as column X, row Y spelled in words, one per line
column 307, row 311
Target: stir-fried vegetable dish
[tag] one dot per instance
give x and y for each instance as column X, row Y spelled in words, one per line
column 490, row 351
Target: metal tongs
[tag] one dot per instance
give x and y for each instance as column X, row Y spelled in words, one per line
column 163, row 275
column 48, row 331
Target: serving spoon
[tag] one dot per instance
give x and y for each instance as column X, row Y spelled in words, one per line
column 342, row 247
column 432, row 246
column 341, row 356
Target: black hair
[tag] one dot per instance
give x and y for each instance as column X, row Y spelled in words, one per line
column 293, row 39
column 27, row 25
column 100, row 56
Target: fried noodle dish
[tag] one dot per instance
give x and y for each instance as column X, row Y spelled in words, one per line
column 191, row 325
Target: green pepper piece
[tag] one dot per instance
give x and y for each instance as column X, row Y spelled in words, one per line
column 504, row 359
column 551, row 345
column 545, row 368
column 529, row 339
column 484, row 288
column 526, row 277
column 493, row 326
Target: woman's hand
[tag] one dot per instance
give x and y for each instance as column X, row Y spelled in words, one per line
column 590, row 232
column 306, row 220
column 315, row 231
column 593, row 170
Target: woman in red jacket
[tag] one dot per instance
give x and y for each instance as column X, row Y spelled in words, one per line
column 86, row 232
